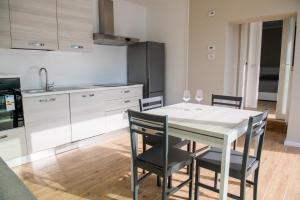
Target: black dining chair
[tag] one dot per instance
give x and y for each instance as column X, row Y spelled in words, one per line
column 230, row 102
column 162, row 160
column 242, row 164
column 152, row 140
column 227, row 101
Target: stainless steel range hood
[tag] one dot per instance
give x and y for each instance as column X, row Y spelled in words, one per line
column 106, row 27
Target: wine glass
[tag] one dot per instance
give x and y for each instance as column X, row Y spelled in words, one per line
column 186, row 96
column 199, row 95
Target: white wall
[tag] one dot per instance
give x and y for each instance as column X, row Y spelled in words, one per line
column 205, row 30
column 167, row 23
column 106, row 64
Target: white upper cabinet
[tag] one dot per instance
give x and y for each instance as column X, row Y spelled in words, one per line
column 5, row 40
column 75, row 25
column 33, row 24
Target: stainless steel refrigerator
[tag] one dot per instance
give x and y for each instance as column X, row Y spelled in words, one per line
column 146, row 65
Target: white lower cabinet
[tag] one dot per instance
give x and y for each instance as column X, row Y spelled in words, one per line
column 54, row 120
column 116, row 119
column 47, row 121
column 87, row 115
column 13, row 143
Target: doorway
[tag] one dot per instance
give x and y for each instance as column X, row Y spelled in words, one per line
column 266, row 51
column 270, row 66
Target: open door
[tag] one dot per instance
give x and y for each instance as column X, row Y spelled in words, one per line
column 286, row 67
column 253, row 64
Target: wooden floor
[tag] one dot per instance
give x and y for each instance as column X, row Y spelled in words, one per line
column 102, row 172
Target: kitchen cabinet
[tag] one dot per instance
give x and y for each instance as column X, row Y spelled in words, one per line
column 75, row 25
column 5, row 39
column 52, row 120
column 33, row 24
column 87, row 114
column 13, row 143
column 117, row 102
column 118, row 119
column 47, row 121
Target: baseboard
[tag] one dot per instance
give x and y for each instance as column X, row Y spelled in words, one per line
column 291, row 144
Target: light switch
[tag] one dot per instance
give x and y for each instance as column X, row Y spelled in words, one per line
column 211, row 56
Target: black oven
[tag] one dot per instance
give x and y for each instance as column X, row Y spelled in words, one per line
column 11, row 109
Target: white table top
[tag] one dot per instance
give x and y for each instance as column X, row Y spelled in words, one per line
column 211, row 120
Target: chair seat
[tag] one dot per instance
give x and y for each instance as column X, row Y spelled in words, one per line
column 153, row 140
column 212, row 159
column 178, row 159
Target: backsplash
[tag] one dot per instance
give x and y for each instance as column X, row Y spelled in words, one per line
column 106, row 64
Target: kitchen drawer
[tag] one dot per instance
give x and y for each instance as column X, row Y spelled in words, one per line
column 131, row 102
column 133, row 92
column 13, row 143
column 121, row 104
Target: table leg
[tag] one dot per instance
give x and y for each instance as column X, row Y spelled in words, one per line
column 225, row 169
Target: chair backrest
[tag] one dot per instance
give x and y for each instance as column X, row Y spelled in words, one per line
column 147, row 124
column 151, row 103
column 256, row 129
column 228, row 101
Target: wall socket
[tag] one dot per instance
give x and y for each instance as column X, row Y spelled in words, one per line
column 212, row 13
column 211, row 56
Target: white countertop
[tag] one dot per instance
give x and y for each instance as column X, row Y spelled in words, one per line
column 9, row 76
column 75, row 89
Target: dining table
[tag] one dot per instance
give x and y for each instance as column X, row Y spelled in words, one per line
column 210, row 125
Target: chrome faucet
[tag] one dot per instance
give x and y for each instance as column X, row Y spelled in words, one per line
column 48, row 86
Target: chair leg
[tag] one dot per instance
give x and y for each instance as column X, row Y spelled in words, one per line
column 234, row 145
column 194, row 147
column 191, row 180
column 170, row 182
column 144, row 149
column 216, row 180
column 188, row 150
column 197, row 181
column 255, row 188
column 158, row 182
column 164, row 189
column 135, row 184
column 243, row 189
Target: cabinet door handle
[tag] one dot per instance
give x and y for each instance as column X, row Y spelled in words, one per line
column 47, row 100
column 92, row 95
column 3, row 136
column 75, row 46
column 84, row 96
column 127, row 101
column 126, row 91
column 37, row 44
